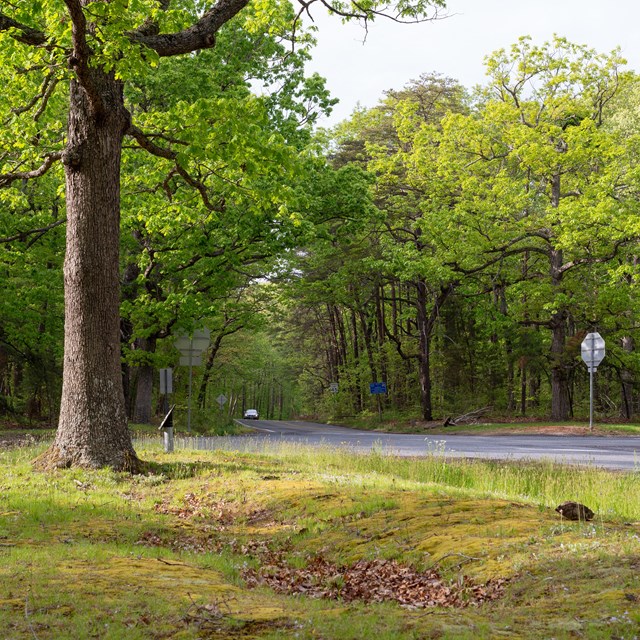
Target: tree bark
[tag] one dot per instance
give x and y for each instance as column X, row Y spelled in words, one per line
column 92, row 428
column 142, row 409
column 626, row 380
column 356, row 383
column 560, row 404
column 560, row 399
column 424, row 350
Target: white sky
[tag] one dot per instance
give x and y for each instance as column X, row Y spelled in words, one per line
column 393, row 54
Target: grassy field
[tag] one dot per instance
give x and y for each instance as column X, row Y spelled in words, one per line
column 300, row 543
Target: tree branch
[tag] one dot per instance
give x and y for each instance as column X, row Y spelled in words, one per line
column 601, row 260
column 147, row 144
column 8, row 178
column 48, row 86
column 79, row 60
column 201, row 35
column 21, row 236
column 25, row 34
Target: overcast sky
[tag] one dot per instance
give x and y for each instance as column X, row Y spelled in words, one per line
column 393, row 54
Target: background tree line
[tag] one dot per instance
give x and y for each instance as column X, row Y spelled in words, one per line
column 456, row 245
column 505, row 228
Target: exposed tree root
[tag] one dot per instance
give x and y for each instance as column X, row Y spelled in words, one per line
column 54, row 458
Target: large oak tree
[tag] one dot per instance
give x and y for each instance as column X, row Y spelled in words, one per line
column 76, row 57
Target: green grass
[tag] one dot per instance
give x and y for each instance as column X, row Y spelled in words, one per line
column 398, row 423
column 164, row 555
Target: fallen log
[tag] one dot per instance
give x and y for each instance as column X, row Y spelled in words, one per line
column 466, row 418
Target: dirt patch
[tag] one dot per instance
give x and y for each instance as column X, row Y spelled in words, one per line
column 550, row 430
column 498, row 429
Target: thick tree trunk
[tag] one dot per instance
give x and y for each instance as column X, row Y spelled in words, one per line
column 560, row 397
column 92, row 428
column 142, row 409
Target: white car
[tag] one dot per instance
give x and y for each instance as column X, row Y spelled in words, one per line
column 251, row 414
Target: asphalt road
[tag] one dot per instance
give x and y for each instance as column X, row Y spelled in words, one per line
column 617, row 452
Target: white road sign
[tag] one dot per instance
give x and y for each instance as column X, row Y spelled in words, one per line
column 593, row 351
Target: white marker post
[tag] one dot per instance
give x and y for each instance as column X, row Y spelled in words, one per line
column 592, row 349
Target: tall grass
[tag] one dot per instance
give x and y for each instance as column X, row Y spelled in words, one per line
column 612, row 494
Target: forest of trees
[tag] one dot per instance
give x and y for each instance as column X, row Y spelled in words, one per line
column 505, row 229
column 455, row 244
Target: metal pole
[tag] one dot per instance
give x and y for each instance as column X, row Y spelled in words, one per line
column 190, row 379
column 591, row 368
column 168, row 440
column 591, row 398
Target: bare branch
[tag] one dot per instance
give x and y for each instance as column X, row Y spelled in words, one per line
column 568, row 266
column 367, row 14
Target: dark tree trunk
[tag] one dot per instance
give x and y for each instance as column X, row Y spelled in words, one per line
column 523, row 386
column 208, row 367
column 426, row 324
column 560, row 397
column 626, row 379
column 424, row 359
column 357, row 387
column 142, row 410
column 92, row 428
column 368, row 344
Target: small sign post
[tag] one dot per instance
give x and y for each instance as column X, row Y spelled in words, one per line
column 333, row 387
column 166, row 382
column 378, row 389
column 167, row 428
column 191, row 349
column 166, row 387
column 592, row 351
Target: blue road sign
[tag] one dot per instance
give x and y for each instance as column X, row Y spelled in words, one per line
column 377, row 388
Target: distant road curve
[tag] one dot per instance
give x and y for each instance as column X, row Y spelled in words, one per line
column 617, row 452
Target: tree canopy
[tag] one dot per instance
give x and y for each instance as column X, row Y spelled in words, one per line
column 85, row 82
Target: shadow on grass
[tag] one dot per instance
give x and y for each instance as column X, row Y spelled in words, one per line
column 180, row 470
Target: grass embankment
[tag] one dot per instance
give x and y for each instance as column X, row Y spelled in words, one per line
column 214, row 544
column 484, row 426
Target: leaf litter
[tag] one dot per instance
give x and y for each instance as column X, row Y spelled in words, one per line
column 372, row 581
